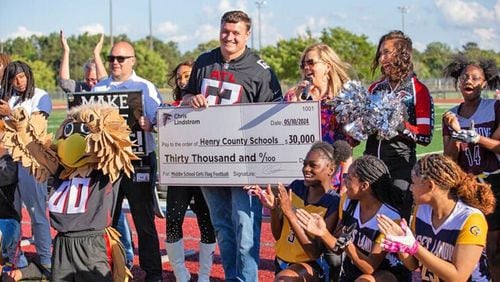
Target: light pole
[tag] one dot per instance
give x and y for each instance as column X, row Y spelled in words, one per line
column 150, row 28
column 403, row 10
column 111, row 22
column 259, row 5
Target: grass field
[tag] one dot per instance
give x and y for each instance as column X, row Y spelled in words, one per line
column 57, row 117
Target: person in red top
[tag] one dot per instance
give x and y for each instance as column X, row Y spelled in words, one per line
column 178, row 80
column 394, row 56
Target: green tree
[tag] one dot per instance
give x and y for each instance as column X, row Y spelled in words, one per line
column 201, row 48
column 44, row 75
column 150, row 65
column 23, row 47
column 169, row 51
column 472, row 51
column 352, row 48
column 435, row 57
column 284, row 57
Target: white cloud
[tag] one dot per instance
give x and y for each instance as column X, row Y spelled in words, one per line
column 207, row 9
column 24, row 32
column 167, row 28
column 313, row 24
column 497, row 11
column 178, row 38
column 419, row 46
column 226, row 5
column 486, row 34
column 125, row 29
column 339, row 16
column 206, row 32
column 487, row 38
column 463, row 13
column 92, row 29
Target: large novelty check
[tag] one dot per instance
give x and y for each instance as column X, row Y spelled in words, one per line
column 232, row 145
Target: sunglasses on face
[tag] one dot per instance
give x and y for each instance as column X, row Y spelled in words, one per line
column 309, row 63
column 120, row 59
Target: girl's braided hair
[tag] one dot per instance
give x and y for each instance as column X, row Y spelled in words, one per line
column 447, row 175
column 375, row 172
column 10, row 72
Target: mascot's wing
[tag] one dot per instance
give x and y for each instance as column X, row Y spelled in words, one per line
column 28, row 142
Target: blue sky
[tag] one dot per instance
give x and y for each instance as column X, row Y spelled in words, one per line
column 190, row 22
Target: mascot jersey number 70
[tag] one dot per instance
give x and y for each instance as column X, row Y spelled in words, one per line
column 91, row 151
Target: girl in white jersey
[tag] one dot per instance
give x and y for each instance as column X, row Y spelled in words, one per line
column 448, row 222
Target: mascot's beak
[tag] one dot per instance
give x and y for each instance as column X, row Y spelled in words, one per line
column 71, row 151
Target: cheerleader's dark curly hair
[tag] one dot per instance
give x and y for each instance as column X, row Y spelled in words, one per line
column 459, row 63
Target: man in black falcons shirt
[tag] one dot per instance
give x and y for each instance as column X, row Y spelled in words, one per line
column 233, row 74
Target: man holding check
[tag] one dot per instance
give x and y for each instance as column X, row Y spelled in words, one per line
column 233, row 74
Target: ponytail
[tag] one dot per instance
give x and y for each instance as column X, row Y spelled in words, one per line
column 449, row 176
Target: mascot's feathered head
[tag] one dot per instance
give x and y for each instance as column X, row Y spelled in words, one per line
column 93, row 136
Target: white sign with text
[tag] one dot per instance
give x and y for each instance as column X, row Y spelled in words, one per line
column 234, row 145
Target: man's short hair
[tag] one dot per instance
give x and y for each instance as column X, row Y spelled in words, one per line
column 236, row 17
column 89, row 66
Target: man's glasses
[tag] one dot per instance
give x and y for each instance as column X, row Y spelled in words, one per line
column 120, row 59
column 309, row 63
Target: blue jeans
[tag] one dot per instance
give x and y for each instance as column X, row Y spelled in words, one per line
column 236, row 218
column 10, row 233
column 34, row 196
column 124, row 229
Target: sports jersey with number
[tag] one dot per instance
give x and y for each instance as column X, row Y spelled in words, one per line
column 465, row 225
column 473, row 158
column 246, row 79
column 80, row 204
column 288, row 247
column 365, row 236
column 418, row 125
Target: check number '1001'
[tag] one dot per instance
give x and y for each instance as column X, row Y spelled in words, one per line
column 300, row 139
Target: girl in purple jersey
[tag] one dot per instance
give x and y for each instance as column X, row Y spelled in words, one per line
column 471, row 136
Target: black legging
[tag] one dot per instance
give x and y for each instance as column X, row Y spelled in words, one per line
column 178, row 199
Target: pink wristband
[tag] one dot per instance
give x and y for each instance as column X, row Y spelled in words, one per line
column 413, row 250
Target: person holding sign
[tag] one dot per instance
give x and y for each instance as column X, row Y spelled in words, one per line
column 179, row 198
column 140, row 187
column 233, row 74
column 297, row 253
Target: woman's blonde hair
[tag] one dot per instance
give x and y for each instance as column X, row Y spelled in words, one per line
column 337, row 75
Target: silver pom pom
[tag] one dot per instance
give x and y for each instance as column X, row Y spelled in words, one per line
column 364, row 114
